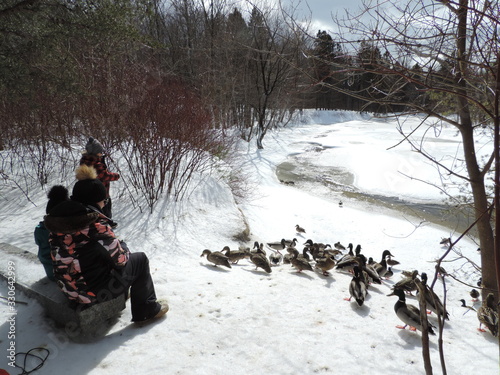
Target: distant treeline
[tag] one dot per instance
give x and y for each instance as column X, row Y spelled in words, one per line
column 89, row 64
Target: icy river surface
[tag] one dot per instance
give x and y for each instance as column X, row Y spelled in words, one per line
column 366, row 160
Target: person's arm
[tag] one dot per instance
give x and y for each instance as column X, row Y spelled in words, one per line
column 118, row 253
column 104, row 175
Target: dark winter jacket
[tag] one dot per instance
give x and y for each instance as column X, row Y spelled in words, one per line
column 85, row 251
column 103, row 174
column 41, row 235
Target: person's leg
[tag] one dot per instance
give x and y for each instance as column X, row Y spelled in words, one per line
column 107, row 209
column 142, row 292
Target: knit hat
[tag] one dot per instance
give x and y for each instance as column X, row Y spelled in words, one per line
column 67, row 208
column 88, row 189
column 56, row 195
column 94, row 147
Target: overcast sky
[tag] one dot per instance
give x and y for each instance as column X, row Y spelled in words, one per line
column 321, row 11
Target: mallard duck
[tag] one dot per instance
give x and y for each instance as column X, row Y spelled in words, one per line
column 441, row 271
column 408, row 314
column 467, row 307
column 259, row 259
column 286, row 258
column 357, row 287
column 348, row 261
column 432, row 300
column 258, row 248
column 488, row 315
column 389, row 273
column 474, row 295
column 325, row 264
column 333, row 253
column 276, row 245
column 292, row 242
column 300, row 263
column 408, row 283
column 381, row 267
column 310, row 243
column 339, row 246
column 235, row 256
column 445, row 241
column 305, row 253
column 373, row 276
column 299, row 229
column 318, row 249
column 217, row 258
column 392, row 262
column 275, row 258
column 327, row 250
column 350, row 253
column 407, row 273
column 315, row 250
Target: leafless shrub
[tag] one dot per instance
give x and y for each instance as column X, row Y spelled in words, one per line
column 170, row 139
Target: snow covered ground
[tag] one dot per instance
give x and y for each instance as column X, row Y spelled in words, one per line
column 245, row 321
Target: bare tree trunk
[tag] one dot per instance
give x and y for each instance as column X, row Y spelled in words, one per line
column 475, row 175
column 497, row 177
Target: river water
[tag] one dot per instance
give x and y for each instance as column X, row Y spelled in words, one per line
column 337, row 183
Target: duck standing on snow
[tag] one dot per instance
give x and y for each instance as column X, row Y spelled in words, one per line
column 275, row 258
column 292, row 242
column 464, row 305
column 350, row 253
column 299, row 229
column 259, row 248
column 369, row 270
column 389, row 273
column 381, row 267
column 392, row 262
column 445, row 242
column 432, row 300
column 217, row 258
column 299, row 262
column 276, row 245
column 408, row 283
column 258, row 258
column 325, row 264
column 349, row 260
column 488, row 315
column 474, row 295
column 408, row 314
column 339, row 246
column 235, row 255
column 357, row 287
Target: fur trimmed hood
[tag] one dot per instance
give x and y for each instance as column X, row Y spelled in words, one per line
column 69, row 217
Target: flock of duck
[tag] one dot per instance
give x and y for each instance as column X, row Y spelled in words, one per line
column 365, row 272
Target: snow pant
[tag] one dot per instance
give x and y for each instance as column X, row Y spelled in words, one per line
column 134, row 278
column 106, row 210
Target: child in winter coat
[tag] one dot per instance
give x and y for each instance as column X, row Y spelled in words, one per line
column 90, row 264
column 94, row 157
column 42, row 240
column 56, row 195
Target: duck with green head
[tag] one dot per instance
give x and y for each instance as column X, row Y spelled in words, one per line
column 357, row 287
column 408, row 314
